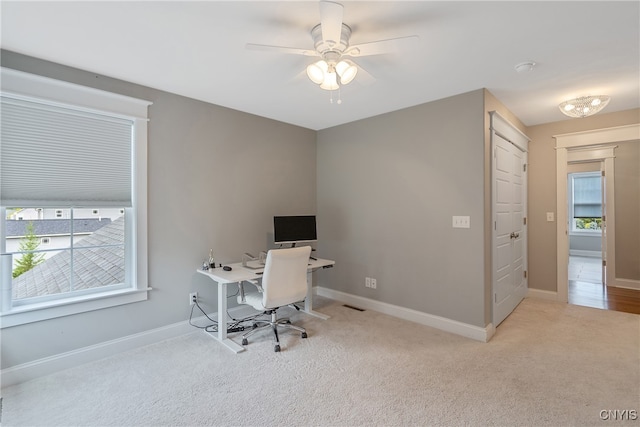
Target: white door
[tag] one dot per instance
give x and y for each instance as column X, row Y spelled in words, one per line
column 510, row 230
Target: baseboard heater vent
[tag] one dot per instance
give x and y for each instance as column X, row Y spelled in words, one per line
column 352, row 307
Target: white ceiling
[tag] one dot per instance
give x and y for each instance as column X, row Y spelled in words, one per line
column 197, row 49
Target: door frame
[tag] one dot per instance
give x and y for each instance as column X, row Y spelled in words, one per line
column 574, row 147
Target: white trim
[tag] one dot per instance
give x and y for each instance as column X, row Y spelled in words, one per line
column 542, row 294
column 505, row 129
column 32, row 85
column 626, row 284
column 464, row 329
column 58, row 308
column 49, row 365
column 598, row 136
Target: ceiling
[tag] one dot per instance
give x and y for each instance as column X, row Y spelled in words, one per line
column 197, row 49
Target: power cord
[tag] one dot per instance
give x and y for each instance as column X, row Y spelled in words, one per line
column 237, row 325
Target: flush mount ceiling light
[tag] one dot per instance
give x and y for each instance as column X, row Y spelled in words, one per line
column 584, row 106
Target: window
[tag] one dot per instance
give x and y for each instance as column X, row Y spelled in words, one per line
column 585, row 202
column 92, row 146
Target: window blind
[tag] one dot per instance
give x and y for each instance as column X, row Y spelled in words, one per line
column 587, row 198
column 55, row 156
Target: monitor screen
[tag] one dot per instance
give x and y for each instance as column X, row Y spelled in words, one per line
column 292, row 229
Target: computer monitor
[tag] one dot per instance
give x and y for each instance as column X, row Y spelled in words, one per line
column 294, row 229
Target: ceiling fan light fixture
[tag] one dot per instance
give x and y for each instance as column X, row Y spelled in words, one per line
column 330, row 81
column 347, row 71
column 316, row 71
column 584, row 106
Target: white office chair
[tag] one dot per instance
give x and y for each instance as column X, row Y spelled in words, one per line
column 284, row 282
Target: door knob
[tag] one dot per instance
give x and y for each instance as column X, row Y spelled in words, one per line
column 514, row 235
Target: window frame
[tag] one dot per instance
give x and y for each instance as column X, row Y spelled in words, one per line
column 136, row 259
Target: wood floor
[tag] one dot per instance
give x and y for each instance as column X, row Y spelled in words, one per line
column 585, row 288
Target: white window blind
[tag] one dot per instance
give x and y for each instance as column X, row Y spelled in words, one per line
column 55, row 156
column 587, row 197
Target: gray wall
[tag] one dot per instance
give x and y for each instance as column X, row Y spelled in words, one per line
column 216, row 178
column 387, row 189
column 627, row 196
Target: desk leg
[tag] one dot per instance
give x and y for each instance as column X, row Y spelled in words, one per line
column 222, row 321
column 308, row 301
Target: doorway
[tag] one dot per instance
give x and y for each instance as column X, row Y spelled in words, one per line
column 585, row 208
column 613, row 292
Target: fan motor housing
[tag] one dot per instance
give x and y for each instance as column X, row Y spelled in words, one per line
column 323, row 46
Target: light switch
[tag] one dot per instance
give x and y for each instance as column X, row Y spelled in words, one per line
column 461, row 222
column 550, row 217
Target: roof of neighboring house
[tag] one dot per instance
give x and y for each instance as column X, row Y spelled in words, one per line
column 93, row 267
column 44, row 227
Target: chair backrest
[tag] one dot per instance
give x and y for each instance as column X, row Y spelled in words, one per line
column 284, row 280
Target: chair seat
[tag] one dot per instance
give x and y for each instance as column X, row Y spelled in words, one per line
column 253, row 299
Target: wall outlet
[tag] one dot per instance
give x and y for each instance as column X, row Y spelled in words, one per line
column 374, row 283
column 367, row 282
column 193, row 298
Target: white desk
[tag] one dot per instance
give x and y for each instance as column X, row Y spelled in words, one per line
column 239, row 274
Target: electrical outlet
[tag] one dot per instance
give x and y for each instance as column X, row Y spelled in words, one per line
column 374, row 283
column 367, row 282
column 193, row 298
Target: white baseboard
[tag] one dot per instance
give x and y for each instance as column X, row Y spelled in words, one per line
column 48, row 365
column 540, row 294
column 626, row 283
column 470, row 331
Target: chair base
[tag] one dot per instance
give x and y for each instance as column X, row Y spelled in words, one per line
column 274, row 324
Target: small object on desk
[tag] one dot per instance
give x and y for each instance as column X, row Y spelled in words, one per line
column 205, row 266
column 211, row 263
column 227, row 268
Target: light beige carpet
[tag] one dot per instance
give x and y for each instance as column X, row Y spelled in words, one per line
column 548, row 364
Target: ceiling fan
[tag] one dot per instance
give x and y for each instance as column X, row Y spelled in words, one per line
column 331, row 44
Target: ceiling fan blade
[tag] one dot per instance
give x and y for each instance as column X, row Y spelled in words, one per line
column 331, row 21
column 382, row 46
column 281, row 49
column 364, row 77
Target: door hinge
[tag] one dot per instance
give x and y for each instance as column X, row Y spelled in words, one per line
column 524, row 220
column 604, row 218
column 495, row 297
column 604, row 262
column 524, row 167
column 602, row 173
column 525, row 274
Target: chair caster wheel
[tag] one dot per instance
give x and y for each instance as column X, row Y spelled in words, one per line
column 277, row 349
column 244, row 341
column 304, row 335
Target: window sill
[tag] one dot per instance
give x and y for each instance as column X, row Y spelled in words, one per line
column 52, row 309
column 592, row 233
